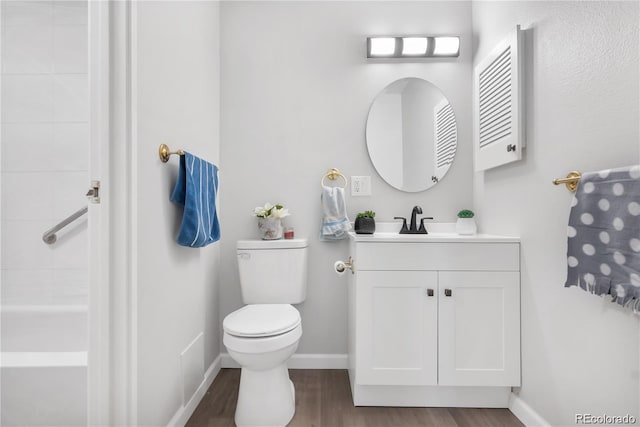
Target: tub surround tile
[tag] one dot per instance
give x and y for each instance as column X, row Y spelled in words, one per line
column 27, row 49
column 26, row 147
column 71, row 246
column 22, row 246
column 39, row 147
column 27, row 196
column 27, row 12
column 68, row 150
column 69, row 189
column 70, row 98
column 45, row 159
column 27, row 98
column 60, row 287
column 70, row 12
column 70, row 49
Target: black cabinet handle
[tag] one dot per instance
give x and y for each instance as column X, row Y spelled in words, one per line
column 448, row 292
column 429, row 292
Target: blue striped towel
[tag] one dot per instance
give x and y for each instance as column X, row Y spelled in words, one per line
column 196, row 189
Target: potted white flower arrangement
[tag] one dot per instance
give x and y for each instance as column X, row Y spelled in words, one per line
column 270, row 220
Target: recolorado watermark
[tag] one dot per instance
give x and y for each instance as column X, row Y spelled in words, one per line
column 605, row 419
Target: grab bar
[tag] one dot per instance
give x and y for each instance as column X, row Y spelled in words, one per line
column 49, row 236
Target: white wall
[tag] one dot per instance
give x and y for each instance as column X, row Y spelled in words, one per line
column 579, row 352
column 296, row 89
column 176, row 91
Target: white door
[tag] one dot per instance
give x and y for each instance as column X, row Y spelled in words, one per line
column 397, row 323
column 479, row 331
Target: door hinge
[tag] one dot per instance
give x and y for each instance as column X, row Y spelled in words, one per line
column 94, row 192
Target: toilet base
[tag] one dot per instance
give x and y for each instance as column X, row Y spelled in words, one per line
column 266, row 398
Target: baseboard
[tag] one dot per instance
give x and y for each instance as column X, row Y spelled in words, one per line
column 181, row 417
column 525, row 413
column 435, row 396
column 319, row 361
column 302, row 361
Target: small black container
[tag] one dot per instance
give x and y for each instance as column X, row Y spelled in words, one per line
column 365, row 225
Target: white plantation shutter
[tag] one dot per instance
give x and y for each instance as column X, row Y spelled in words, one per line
column 498, row 121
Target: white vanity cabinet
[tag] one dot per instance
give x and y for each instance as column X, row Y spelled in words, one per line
column 434, row 321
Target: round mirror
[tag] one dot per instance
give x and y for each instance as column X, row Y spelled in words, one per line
column 411, row 134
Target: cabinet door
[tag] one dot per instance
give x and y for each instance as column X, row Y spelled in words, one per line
column 397, row 323
column 479, row 333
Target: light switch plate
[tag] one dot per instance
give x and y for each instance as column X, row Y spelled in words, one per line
column 360, row 185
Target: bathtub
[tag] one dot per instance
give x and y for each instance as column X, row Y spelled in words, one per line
column 43, row 362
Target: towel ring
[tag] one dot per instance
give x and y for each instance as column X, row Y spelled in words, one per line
column 333, row 174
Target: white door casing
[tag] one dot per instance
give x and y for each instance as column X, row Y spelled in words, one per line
column 112, row 328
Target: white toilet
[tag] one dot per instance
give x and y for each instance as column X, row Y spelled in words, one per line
column 264, row 334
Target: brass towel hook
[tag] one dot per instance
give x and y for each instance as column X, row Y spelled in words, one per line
column 165, row 152
column 571, row 181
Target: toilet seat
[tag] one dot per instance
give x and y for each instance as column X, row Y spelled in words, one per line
column 262, row 344
column 261, row 320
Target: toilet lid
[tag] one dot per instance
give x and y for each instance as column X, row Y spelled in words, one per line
column 261, row 320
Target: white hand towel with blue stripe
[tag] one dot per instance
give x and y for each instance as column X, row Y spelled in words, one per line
column 196, row 189
column 335, row 223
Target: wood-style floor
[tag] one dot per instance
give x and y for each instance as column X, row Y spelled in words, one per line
column 323, row 399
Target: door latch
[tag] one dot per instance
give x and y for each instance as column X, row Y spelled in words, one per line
column 94, row 192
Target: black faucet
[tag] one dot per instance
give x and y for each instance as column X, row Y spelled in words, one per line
column 413, row 228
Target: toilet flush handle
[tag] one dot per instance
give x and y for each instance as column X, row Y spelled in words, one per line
column 244, row 255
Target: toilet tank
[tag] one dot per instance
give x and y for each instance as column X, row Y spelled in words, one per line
column 273, row 271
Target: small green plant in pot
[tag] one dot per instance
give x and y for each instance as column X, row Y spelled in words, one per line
column 365, row 223
column 466, row 213
column 466, row 225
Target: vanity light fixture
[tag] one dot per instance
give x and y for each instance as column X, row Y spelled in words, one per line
column 381, row 46
column 446, row 46
column 413, row 46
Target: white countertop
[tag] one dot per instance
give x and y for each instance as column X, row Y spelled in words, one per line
column 438, row 233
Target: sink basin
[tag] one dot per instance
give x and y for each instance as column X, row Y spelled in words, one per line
column 432, row 228
column 390, row 231
column 438, row 232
